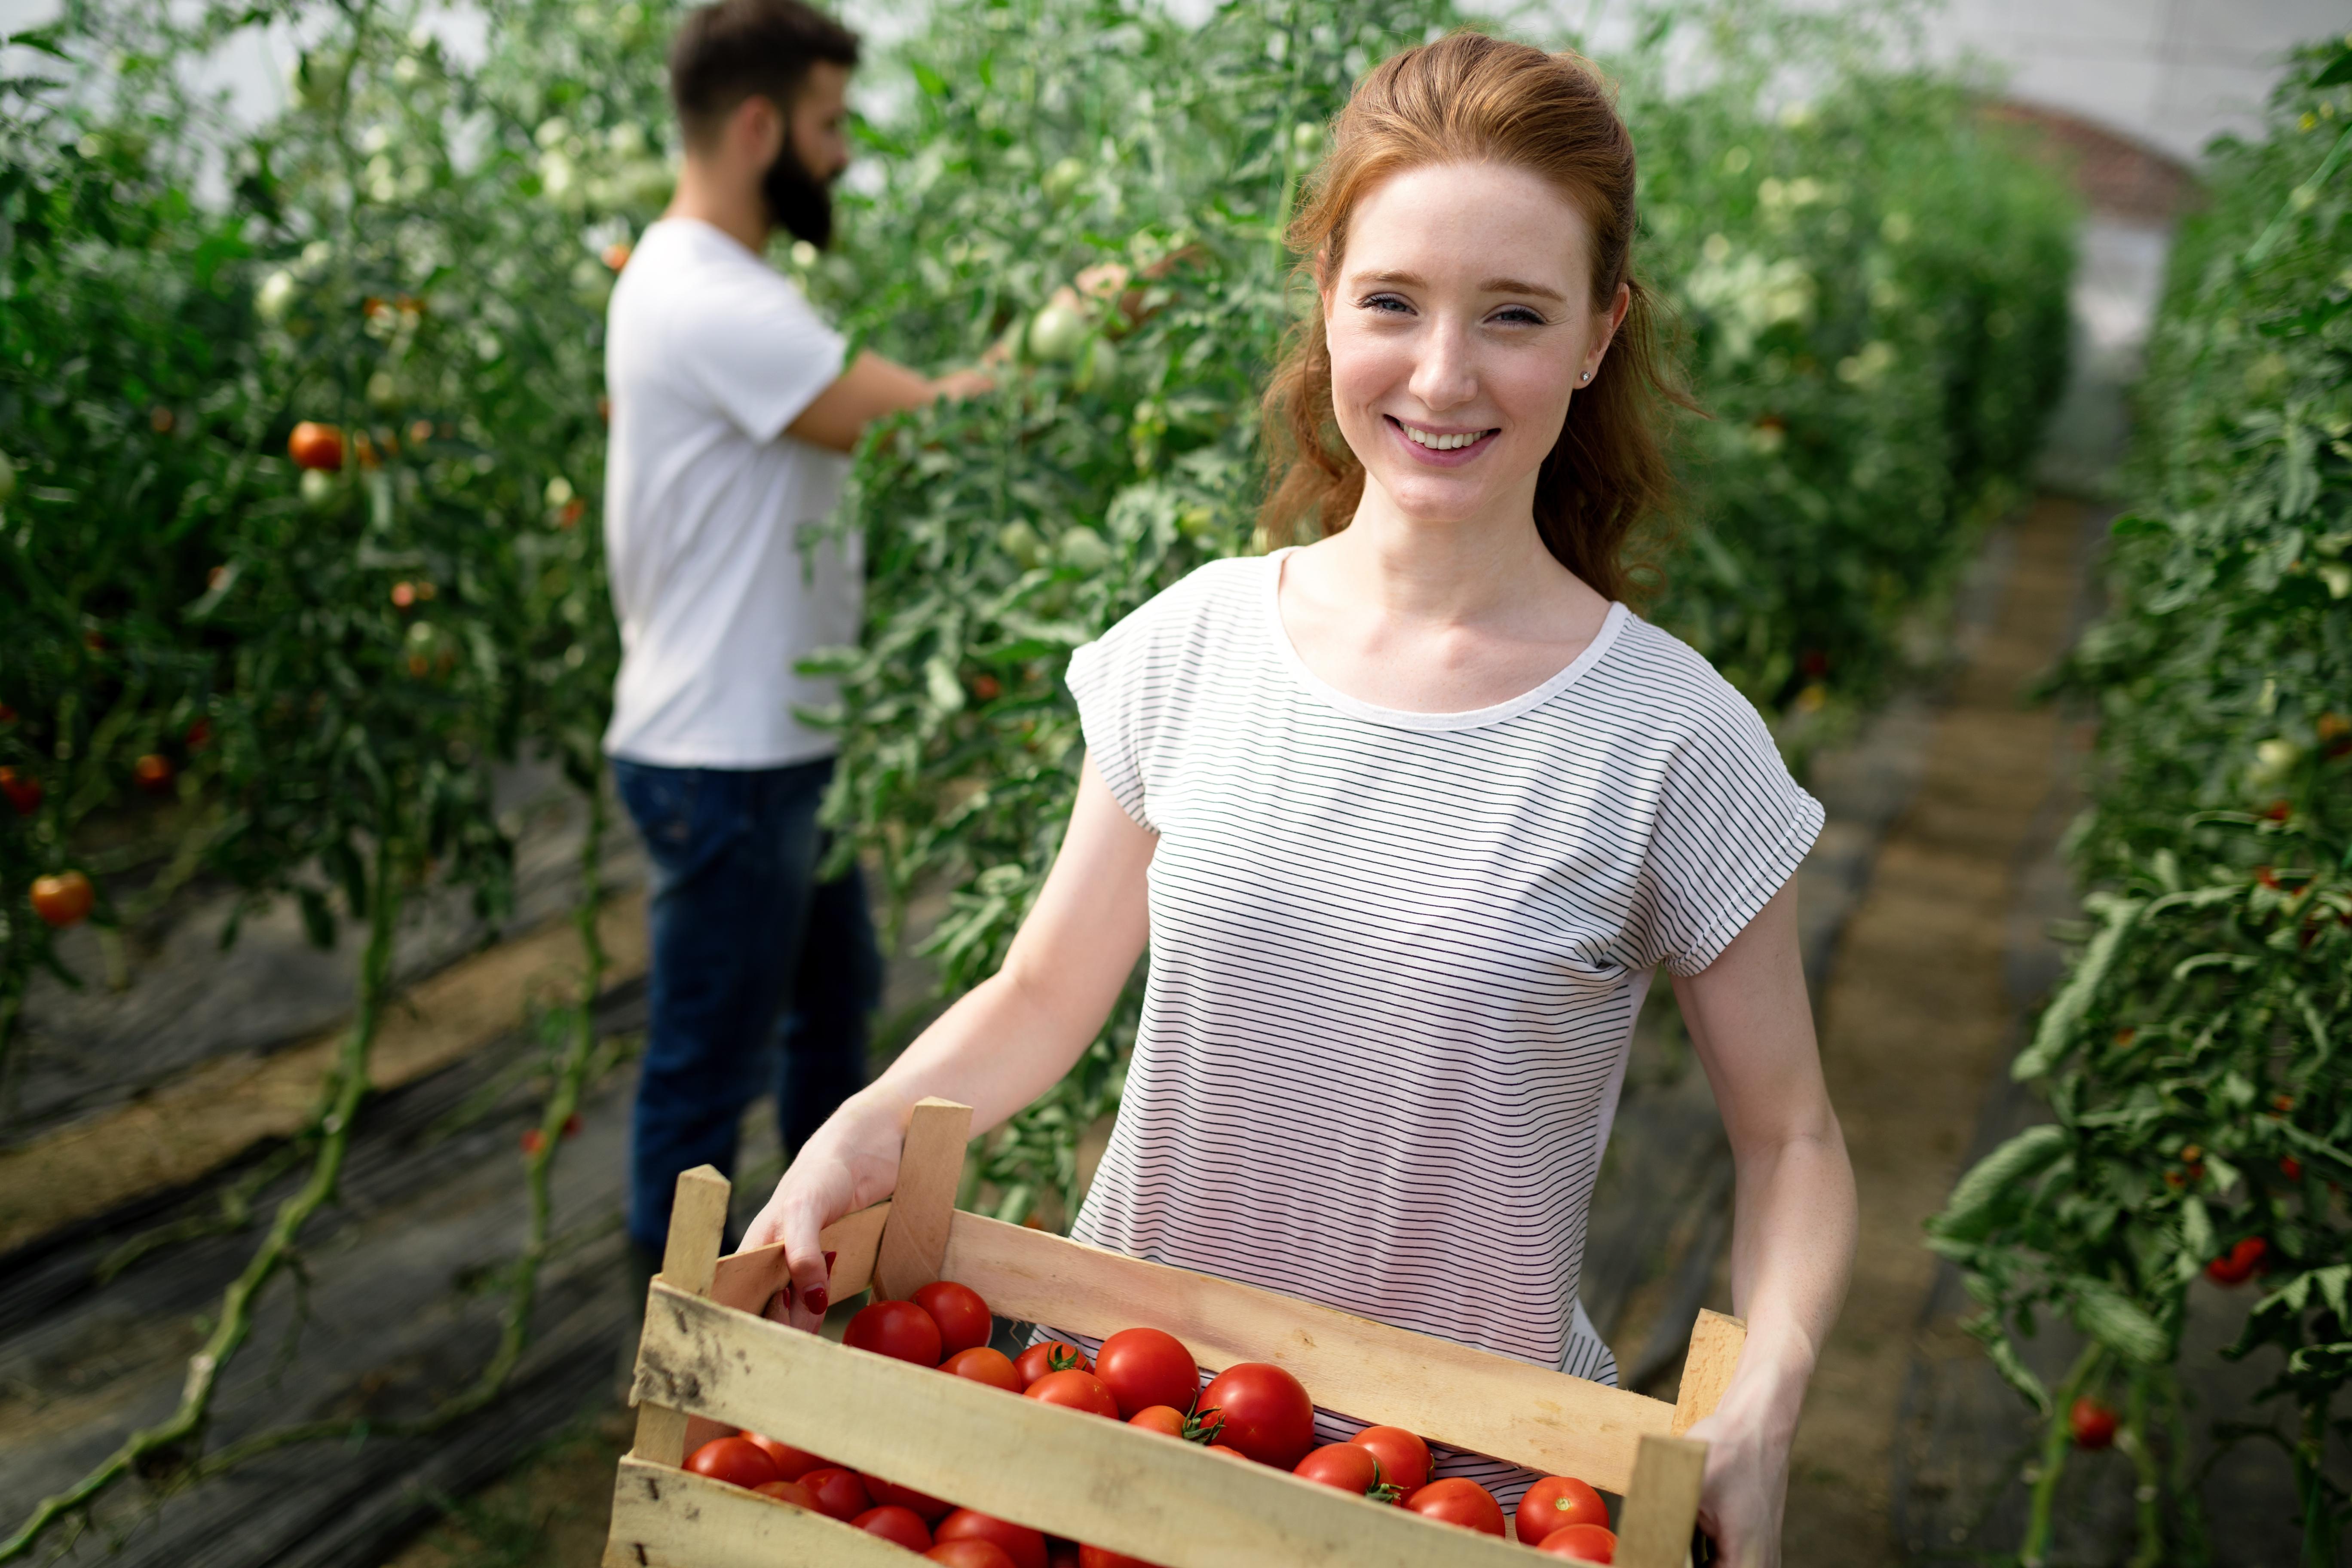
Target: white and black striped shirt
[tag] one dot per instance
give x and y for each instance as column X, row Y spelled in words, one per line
column 1396, row 957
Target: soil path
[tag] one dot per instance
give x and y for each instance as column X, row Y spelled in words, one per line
column 1917, row 1020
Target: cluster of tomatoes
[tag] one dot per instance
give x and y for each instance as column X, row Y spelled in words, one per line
column 1252, row 1411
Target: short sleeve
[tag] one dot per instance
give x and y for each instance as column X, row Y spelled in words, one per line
column 759, row 351
column 1103, row 678
column 1731, row 829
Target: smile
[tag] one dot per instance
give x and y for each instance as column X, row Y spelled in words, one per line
column 1449, row 442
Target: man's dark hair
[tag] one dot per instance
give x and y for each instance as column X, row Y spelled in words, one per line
column 735, row 50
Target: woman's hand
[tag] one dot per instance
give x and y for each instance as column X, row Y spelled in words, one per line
column 851, row 1162
column 1747, row 1486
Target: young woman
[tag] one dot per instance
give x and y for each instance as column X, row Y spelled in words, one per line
column 1409, row 817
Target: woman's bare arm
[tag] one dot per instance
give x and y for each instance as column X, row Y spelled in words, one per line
column 1005, row 1042
column 1793, row 1235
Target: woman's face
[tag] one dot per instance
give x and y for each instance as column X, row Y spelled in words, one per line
column 1461, row 323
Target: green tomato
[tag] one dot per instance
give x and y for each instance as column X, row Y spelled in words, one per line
column 1063, row 177
column 318, row 488
column 383, row 389
column 1056, row 334
column 1099, row 370
column 1306, row 137
column 276, row 293
column 1084, row 549
column 1022, row 543
column 7, row 479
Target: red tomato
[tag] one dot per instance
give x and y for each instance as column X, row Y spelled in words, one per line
column 23, row 790
column 1459, row 1500
column 1025, row 1547
column 792, row 1492
column 961, row 1315
column 1104, row 1557
column 2093, row 1424
column 2237, row 1266
column 734, row 1462
column 1144, row 1367
column 1164, row 1418
column 1404, row 1458
column 969, row 1554
column 983, row 1364
column 1557, row 1500
column 534, row 1141
column 2289, row 1166
column 897, row 1329
column 616, row 256
column 314, row 446
column 790, row 1463
column 1051, row 1355
column 928, row 1509
column 839, row 1493
column 1075, row 1390
column 154, row 773
column 895, row 1525
column 1228, row 1448
column 64, row 898
column 1585, row 1542
column 200, row 734
column 1349, row 1466
column 1267, row 1414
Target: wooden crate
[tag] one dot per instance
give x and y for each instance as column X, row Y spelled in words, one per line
column 709, row 1364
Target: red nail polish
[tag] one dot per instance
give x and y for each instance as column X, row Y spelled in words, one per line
column 815, row 1300
column 828, row 1262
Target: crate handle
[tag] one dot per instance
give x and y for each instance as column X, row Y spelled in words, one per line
column 931, row 1167
column 698, row 1229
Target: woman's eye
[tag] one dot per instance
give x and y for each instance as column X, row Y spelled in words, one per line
column 1387, row 303
column 1518, row 316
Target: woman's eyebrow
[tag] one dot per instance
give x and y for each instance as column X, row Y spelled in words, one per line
column 1491, row 286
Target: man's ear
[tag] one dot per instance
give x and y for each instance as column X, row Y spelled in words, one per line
column 755, row 131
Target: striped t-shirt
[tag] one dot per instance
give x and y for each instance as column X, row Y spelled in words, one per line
column 1395, row 957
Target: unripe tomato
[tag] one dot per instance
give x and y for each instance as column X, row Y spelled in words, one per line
column 734, row 1462
column 64, row 898
column 1555, row 1501
column 23, row 790
column 900, row 1330
column 983, row 1364
column 963, row 1318
column 1074, row 1390
column 1404, row 1458
column 1459, row 1500
column 2093, row 1424
column 1049, row 1355
column 1267, row 1414
column 316, row 445
column 1585, row 1543
column 1021, row 1546
column 1057, row 333
column 154, row 773
column 1144, row 1367
column 895, row 1525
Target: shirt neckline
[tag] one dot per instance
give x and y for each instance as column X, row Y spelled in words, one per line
column 1270, row 598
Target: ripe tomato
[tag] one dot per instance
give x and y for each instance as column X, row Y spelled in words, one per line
column 895, row 1525
column 2289, row 1166
column 1051, row 1355
column 1162, row 1418
column 792, row 1492
column 2237, row 1266
column 928, row 1509
column 315, row 446
column 1349, row 1466
column 961, row 1315
column 1075, row 1390
column 1025, row 1547
column 983, row 1364
column 1144, row 1367
column 64, row 898
column 200, row 734
column 734, row 1462
column 897, row 1329
column 1459, row 1500
column 790, row 1463
column 534, row 1141
column 2093, row 1424
column 839, row 1493
column 154, row 773
column 1404, row 1458
column 1267, row 1414
column 1104, row 1557
column 969, row 1554
column 1557, row 1500
column 1229, row 1449
column 23, row 790
column 616, row 256
column 1585, row 1542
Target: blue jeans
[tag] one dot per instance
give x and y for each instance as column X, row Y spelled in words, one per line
column 763, row 975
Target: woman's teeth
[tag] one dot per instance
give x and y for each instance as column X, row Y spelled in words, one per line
column 1441, row 443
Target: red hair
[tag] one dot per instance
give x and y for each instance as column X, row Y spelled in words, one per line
column 1468, row 98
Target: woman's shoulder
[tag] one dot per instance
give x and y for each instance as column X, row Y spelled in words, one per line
column 1670, row 683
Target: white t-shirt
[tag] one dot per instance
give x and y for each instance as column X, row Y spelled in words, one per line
column 724, row 573
column 1396, row 957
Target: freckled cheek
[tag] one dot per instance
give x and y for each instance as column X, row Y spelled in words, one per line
column 1365, row 369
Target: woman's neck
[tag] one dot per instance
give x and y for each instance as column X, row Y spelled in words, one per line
column 1489, row 570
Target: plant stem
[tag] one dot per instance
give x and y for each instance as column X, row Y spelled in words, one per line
column 2311, row 1485
column 2039, row 1521
column 2147, row 1494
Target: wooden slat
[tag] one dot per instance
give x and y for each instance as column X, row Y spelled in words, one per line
column 1084, row 1477
column 1654, row 1530
column 1449, row 1393
column 1717, row 1340
column 931, row 1167
column 746, row 1279
column 698, row 1229
column 672, row 1518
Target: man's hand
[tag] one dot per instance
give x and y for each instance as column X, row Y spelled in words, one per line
column 963, row 383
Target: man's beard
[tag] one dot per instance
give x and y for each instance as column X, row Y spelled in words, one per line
column 800, row 203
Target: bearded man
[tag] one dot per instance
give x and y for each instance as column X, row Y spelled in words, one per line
column 732, row 416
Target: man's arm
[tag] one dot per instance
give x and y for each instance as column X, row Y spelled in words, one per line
column 870, row 388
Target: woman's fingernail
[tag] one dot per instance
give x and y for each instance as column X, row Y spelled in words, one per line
column 815, row 1300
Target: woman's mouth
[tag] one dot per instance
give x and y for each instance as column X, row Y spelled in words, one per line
column 1439, row 449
